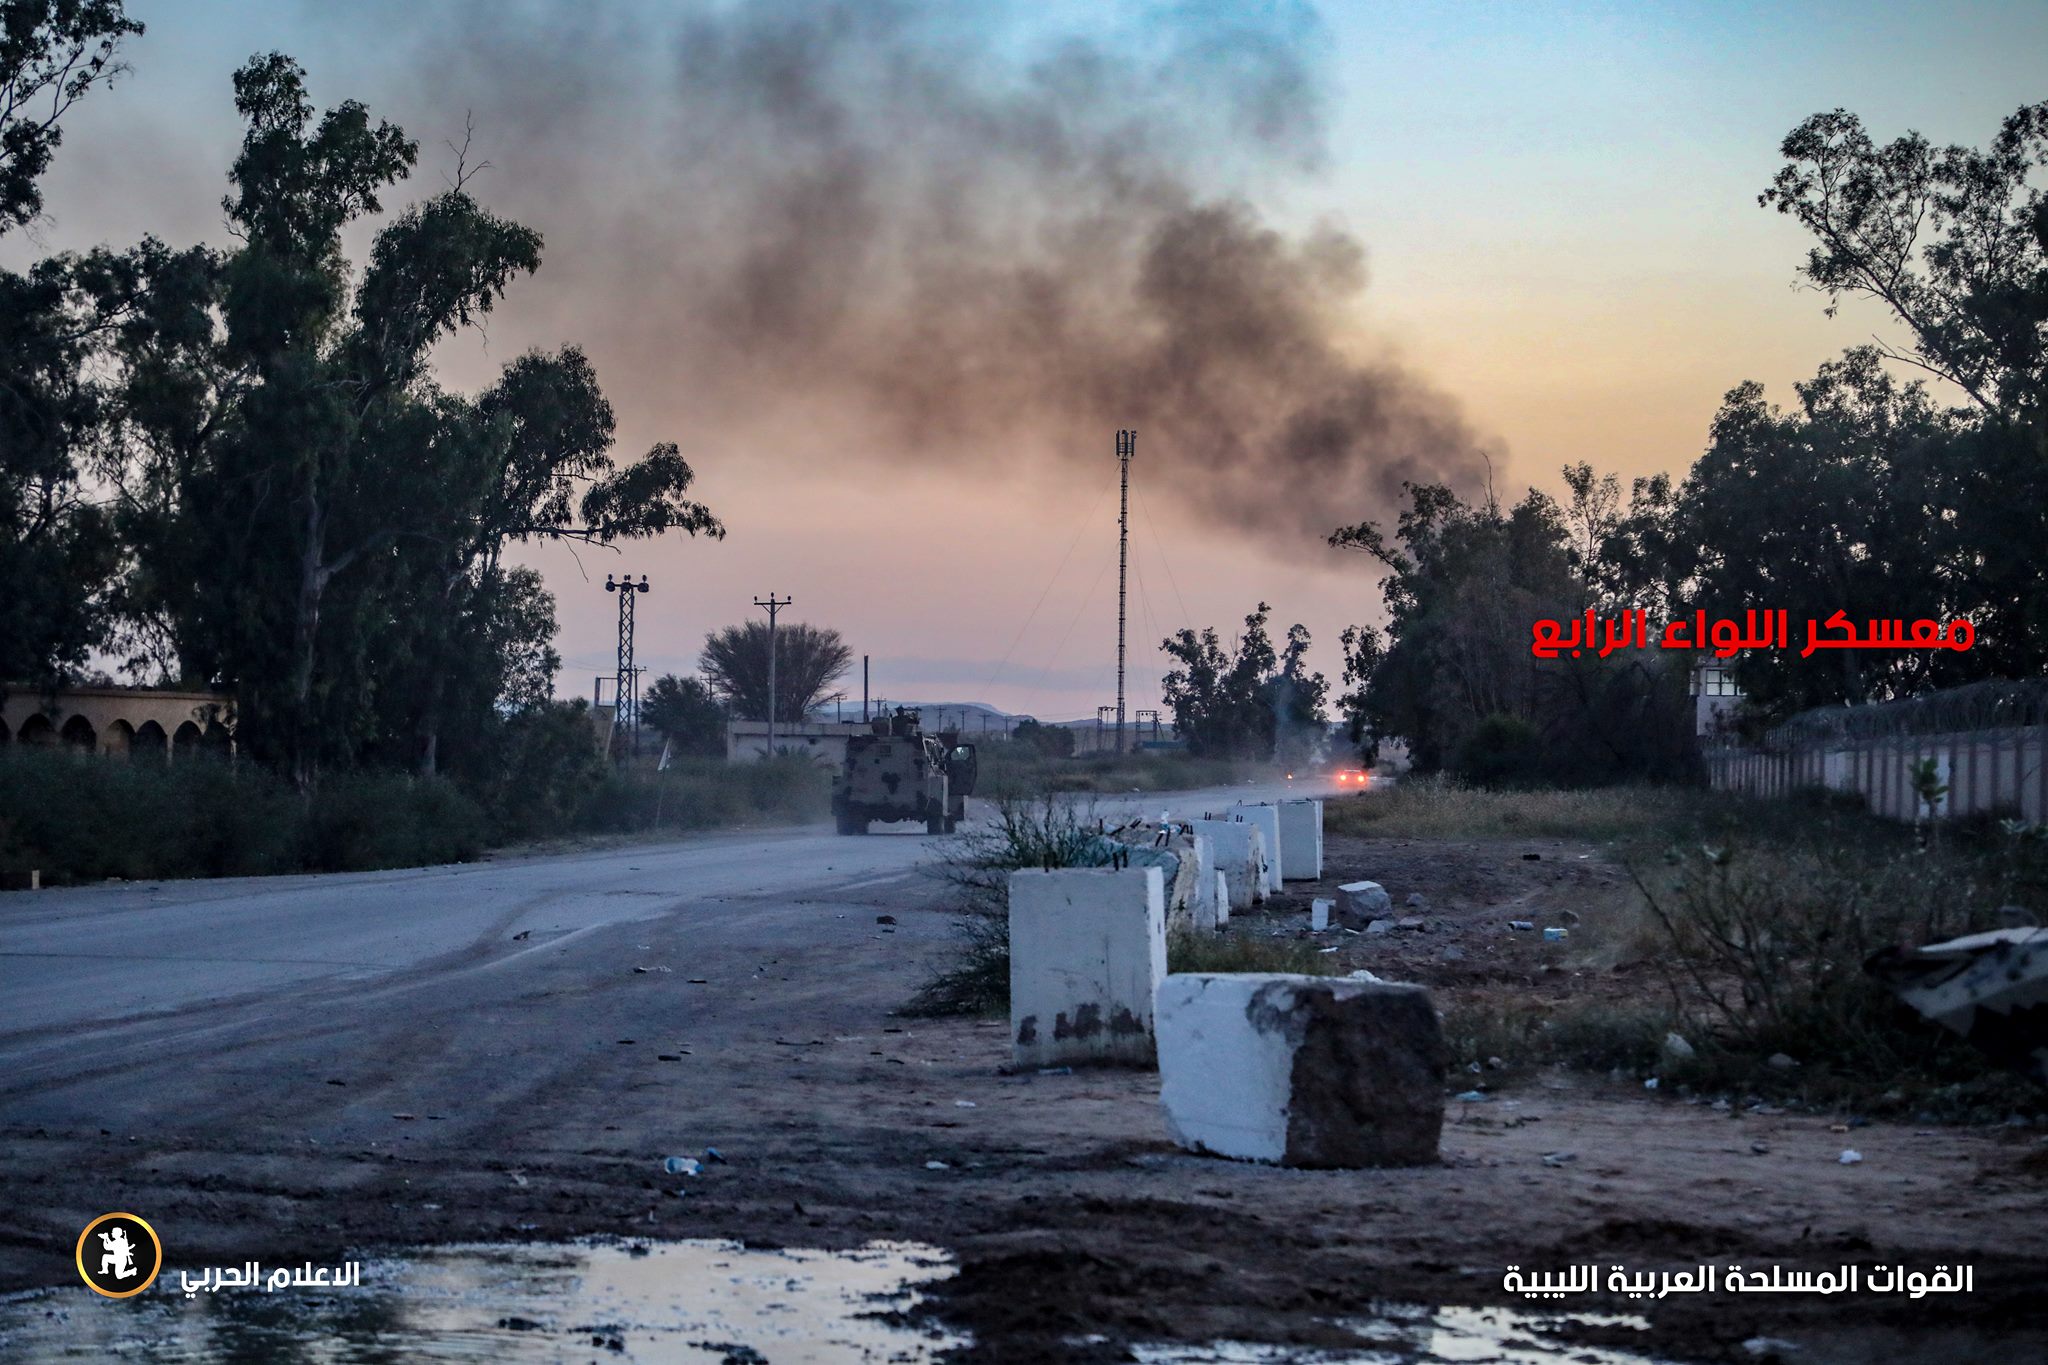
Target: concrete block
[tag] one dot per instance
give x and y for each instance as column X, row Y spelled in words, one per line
column 1301, row 840
column 1241, row 856
column 1221, row 905
column 1301, row 1070
column 1267, row 818
column 1203, row 896
column 1360, row 903
column 1087, row 953
column 1319, row 914
column 1181, row 886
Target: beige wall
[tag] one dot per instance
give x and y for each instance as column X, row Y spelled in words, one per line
column 117, row 721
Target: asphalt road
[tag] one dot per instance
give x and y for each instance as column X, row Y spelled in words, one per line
column 149, row 1009
column 77, row 958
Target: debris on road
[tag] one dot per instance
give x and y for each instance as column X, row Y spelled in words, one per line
column 1363, row 901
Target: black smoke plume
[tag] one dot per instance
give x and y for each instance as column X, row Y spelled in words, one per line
column 949, row 233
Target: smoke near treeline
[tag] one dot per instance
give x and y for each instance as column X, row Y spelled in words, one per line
column 957, row 231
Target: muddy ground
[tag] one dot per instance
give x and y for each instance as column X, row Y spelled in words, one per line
column 538, row 1102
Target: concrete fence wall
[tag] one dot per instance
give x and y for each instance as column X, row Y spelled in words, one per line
column 2002, row 771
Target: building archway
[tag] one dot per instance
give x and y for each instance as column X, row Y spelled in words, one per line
column 38, row 731
column 79, row 734
column 150, row 742
column 117, row 739
column 216, row 742
column 186, row 739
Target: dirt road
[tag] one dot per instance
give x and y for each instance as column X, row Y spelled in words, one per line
column 294, row 1067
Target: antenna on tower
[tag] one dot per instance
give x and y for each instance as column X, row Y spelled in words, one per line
column 1126, row 447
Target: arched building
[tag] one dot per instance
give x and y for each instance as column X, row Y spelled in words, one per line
column 120, row 721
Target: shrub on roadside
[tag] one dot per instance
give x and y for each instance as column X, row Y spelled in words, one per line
column 1501, row 751
column 357, row 822
column 75, row 818
column 705, row 793
column 1052, row 831
column 1040, row 831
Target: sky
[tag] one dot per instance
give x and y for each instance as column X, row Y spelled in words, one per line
column 893, row 274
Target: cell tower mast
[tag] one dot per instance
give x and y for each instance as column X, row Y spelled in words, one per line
column 1126, row 447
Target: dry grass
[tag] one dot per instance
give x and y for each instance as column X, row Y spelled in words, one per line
column 1439, row 808
column 1011, row 771
column 1238, row 950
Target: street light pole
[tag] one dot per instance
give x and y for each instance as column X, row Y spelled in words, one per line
column 773, row 606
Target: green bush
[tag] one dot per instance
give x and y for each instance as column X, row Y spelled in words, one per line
column 76, row 817
column 1501, row 751
column 359, row 821
column 706, row 793
column 79, row 818
column 1041, row 831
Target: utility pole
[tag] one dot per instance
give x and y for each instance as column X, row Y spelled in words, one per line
column 1126, row 447
column 626, row 684
column 773, row 606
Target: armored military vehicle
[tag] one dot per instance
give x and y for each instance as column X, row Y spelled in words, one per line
column 900, row 773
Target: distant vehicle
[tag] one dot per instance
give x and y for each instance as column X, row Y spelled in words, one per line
column 900, row 773
column 1353, row 777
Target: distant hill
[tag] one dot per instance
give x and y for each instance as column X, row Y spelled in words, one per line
column 968, row 715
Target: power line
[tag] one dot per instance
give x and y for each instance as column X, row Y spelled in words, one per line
column 1054, row 657
column 1072, row 545
column 773, row 607
column 626, row 684
column 1187, row 617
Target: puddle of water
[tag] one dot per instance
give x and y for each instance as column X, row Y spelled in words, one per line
column 693, row 1301
column 1408, row 1335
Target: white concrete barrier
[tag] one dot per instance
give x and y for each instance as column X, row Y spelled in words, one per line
column 1267, row 818
column 1197, row 903
column 1087, row 953
column 1301, row 840
column 1301, row 1070
column 1240, row 857
column 1221, row 905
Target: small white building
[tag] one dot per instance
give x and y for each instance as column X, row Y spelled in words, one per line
column 746, row 741
column 1715, row 696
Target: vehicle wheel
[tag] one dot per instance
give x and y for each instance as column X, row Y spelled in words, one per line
column 951, row 824
column 936, row 824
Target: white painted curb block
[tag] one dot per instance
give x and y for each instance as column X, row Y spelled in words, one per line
column 1087, row 953
column 1267, row 818
column 1240, row 857
column 1301, row 840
